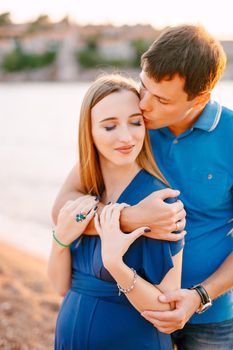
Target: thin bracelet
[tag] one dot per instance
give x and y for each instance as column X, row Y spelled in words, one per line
column 126, row 291
column 59, row 242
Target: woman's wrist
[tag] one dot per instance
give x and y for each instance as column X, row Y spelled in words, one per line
column 113, row 265
column 60, row 239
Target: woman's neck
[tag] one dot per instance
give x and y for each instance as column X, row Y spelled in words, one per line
column 116, row 179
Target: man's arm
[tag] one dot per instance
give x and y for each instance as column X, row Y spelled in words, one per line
column 188, row 301
column 160, row 216
column 152, row 211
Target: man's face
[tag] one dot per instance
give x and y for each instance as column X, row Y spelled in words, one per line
column 165, row 103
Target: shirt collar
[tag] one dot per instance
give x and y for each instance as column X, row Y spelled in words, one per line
column 210, row 117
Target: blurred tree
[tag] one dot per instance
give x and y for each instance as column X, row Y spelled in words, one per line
column 140, row 46
column 92, row 42
column 41, row 23
column 5, row 18
column 65, row 20
column 18, row 60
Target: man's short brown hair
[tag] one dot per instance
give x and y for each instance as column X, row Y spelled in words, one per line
column 190, row 52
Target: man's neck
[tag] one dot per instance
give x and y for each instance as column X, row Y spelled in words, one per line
column 186, row 123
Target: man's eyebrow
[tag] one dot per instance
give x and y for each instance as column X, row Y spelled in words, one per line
column 160, row 97
column 115, row 118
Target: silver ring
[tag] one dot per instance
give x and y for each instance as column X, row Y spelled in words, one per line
column 80, row 217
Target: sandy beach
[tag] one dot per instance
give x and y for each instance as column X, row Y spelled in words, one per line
column 28, row 304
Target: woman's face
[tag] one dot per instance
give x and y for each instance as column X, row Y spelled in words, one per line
column 118, row 129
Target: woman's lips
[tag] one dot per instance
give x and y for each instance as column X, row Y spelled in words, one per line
column 124, row 149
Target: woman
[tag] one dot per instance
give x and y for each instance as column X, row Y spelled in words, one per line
column 105, row 290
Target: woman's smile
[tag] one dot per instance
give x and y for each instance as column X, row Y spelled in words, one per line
column 125, row 149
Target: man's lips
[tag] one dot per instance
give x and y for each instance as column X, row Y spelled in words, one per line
column 146, row 120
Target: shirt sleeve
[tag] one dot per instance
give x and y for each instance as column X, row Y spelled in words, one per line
column 157, row 260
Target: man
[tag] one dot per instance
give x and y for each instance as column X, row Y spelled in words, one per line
column 191, row 138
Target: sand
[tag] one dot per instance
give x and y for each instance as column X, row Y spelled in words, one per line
column 28, row 304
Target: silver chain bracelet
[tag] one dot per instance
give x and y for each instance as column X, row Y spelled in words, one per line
column 126, row 291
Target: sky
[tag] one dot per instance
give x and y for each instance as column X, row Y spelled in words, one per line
column 217, row 17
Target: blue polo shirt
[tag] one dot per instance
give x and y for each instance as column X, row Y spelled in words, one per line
column 199, row 163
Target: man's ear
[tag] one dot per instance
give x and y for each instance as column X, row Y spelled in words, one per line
column 201, row 100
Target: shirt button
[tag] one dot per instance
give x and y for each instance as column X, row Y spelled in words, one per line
column 210, row 176
column 175, row 141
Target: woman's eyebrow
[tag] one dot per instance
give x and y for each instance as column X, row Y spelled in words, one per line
column 115, row 118
column 106, row 119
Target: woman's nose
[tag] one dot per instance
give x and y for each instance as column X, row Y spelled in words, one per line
column 125, row 135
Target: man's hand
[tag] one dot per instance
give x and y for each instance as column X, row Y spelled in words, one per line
column 186, row 303
column 161, row 217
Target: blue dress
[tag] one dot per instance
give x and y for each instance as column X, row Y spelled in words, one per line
column 93, row 316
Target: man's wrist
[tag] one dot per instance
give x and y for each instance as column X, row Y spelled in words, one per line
column 128, row 219
column 206, row 302
column 196, row 299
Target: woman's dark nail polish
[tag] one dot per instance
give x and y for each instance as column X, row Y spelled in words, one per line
column 96, row 208
column 147, row 230
column 109, row 203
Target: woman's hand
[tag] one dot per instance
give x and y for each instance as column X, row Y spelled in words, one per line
column 114, row 242
column 68, row 229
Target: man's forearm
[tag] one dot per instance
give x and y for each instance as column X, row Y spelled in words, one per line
column 129, row 220
column 221, row 280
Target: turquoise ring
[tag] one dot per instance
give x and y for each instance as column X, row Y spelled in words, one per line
column 80, row 217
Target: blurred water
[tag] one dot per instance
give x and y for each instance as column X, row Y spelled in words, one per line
column 38, row 135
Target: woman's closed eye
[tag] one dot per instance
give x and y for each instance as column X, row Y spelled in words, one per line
column 137, row 122
column 109, row 127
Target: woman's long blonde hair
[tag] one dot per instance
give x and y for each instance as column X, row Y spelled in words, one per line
column 90, row 172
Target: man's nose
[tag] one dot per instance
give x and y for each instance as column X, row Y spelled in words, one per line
column 145, row 102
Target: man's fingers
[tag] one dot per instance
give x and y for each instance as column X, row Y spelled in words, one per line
column 165, row 327
column 181, row 215
column 167, row 193
column 171, row 237
column 179, row 225
column 168, row 297
column 176, row 207
column 153, row 316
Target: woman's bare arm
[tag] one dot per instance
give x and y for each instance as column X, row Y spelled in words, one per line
column 145, row 295
column 114, row 245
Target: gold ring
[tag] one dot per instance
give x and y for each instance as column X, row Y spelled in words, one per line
column 177, row 226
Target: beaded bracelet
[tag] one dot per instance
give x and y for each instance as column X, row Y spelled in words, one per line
column 126, row 291
column 59, row 242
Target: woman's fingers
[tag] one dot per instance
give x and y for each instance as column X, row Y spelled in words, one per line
column 80, row 203
column 110, row 216
column 138, row 232
column 97, row 224
column 116, row 213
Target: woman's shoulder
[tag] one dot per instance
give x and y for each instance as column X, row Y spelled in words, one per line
column 141, row 186
column 152, row 181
